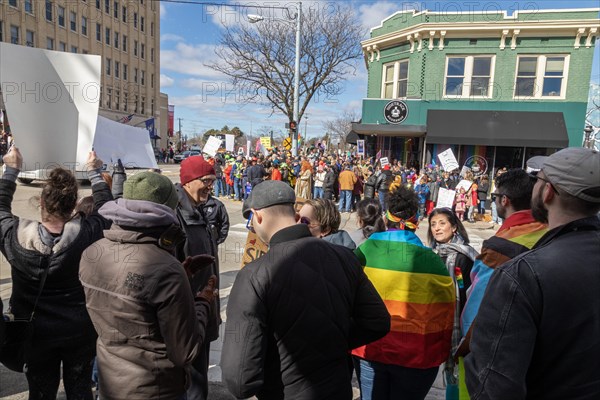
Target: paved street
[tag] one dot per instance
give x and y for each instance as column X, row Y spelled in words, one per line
column 14, row 386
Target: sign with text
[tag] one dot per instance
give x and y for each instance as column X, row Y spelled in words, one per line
column 448, row 160
column 212, row 146
column 384, row 161
column 360, row 147
column 445, row 198
column 229, row 142
column 395, row 112
column 265, row 141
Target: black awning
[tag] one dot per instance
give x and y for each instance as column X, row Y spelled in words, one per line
column 352, row 137
column 497, row 128
column 389, row 129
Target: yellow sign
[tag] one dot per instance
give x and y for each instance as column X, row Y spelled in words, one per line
column 287, row 143
column 266, row 142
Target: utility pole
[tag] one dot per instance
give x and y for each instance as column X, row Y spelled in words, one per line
column 179, row 143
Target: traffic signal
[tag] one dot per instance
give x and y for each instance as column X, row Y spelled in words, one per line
column 293, row 127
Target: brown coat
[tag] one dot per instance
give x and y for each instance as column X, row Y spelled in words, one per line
column 347, row 180
column 140, row 302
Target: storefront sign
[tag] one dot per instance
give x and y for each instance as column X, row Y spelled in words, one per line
column 395, row 112
column 477, row 164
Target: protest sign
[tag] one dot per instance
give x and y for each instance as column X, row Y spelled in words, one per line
column 448, row 160
column 229, row 142
column 212, row 146
column 463, row 184
column 360, row 147
column 445, row 198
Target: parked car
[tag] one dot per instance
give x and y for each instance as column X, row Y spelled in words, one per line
column 182, row 156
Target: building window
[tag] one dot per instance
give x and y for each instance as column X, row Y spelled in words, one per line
column 107, row 35
column 395, row 80
column 14, row 34
column 108, row 66
column 116, row 69
column 116, row 9
column 1, row 32
column 49, row 7
column 135, row 48
column 99, row 32
column 143, row 106
column 135, row 20
column 49, row 43
column 469, row 76
column 124, row 43
column 61, row 16
column 152, row 55
column 12, row 3
column 152, row 107
column 109, row 98
column 98, row 4
column 85, row 52
column 74, row 49
column 84, row 26
column 543, row 76
column 143, row 51
column 73, row 20
column 125, row 100
column 135, row 109
column 117, row 100
column 142, row 23
column 107, row 6
column 152, row 81
column 116, row 40
column 135, row 75
column 29, row 39
column 124, row 71
column 124, row 14
column 29, row 6
column 62, row 46
column 143, row 77
column 151, row 28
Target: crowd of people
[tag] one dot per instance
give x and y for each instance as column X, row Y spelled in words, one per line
column 131, row 280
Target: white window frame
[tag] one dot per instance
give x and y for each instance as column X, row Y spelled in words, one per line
column 468, row 76
column 396, row 78
column 538, row 86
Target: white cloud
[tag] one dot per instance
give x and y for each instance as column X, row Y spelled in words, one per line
column 372, row 14
column 166, row 81
column 170, row 37
column 189, row 59
column 163, row 10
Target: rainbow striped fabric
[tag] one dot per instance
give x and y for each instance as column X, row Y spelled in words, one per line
column 419, row 295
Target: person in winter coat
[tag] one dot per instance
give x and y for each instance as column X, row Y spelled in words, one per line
column 368, row 219
column 329, row 183
column 319, row 180
column 347, row 180
column 323, row 220
column 384, row 180
column 294, row 313
column 150, row 326
column 482, row 193
column 370, row 184
column 63, row 333
column 304, row 181
column 422, row 190
column 217, row 216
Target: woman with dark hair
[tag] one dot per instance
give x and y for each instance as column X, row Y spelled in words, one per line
column 368, row 219
column 449, row 239
column 50, row 252
column 419, row 295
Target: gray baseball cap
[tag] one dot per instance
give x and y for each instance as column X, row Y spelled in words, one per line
column 268, row 194
column 575, row 170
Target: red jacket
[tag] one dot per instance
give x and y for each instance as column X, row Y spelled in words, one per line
column 276, row 175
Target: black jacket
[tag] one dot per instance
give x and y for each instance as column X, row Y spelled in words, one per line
column 370, row 186
column 384, row 180
column 217, row 217
column 61, row 315
column 292, row 317
column 329, row 182
column 537, row 332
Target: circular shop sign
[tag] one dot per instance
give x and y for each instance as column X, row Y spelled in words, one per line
column 477, row 164
column 395, row 112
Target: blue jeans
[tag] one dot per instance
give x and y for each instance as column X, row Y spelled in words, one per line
column 482, row 207
column 345, row 198
column 318, row 193
column 381, row 195
column 219, row 190
column 390, row 382
column 495, row 217
column 237, row 185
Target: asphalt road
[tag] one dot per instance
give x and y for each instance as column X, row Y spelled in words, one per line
column 13, row 386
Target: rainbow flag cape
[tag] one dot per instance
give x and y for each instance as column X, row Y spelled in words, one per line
column 419, row 294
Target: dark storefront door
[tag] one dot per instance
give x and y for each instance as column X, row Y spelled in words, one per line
column 509, row 157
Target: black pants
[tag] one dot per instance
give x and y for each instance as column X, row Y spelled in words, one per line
column 43, row 370
column 198, row 389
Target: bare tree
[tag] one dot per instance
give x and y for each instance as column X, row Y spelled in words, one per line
column 339, row 127
column 259, row 58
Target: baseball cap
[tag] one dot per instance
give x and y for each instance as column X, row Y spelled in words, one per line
column 267, row 194
column 575, row 170
column 535, row 163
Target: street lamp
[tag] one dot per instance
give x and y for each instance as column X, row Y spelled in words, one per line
column 253, row 18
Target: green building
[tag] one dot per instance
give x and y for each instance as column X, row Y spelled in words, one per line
column 485, row 84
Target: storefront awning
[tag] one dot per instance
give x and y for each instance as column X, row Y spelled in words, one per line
column 352, row 137
column 497, row 128
column 389, row 130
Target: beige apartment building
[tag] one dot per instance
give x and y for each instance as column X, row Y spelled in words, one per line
column 125, row 33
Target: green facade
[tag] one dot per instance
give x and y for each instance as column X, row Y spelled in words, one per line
column 427, row 70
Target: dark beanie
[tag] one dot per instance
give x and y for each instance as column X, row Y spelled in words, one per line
column 151, row 186
column 194, row 167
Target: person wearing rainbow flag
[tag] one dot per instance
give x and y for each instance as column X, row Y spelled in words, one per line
column 419, row 294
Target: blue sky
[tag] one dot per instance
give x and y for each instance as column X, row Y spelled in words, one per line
column 205, row 99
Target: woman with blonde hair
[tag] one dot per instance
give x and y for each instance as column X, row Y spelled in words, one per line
column 304, row 181
column 323, row 220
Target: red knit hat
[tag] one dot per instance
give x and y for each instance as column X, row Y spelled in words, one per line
column 194, row 167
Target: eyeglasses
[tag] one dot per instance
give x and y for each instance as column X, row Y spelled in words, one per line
column 305, row 221
column 207, row 181
column 249, row 224
column 536, row 175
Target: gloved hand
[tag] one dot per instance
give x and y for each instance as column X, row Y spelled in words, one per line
column 118, row 167
column 210, row 291
column 194, row 264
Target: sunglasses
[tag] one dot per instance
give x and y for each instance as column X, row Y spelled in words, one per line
column 536, row 175
column 207, row 181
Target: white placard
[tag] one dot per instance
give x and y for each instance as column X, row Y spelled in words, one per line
column 51, row 99
column 115, row 141
column 464, row 184
column 360, row 147
column 229, row 142
column 384, row 161
column 448, row 160
column 445, row 198
column 212, row 145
